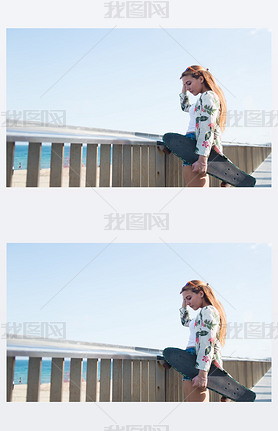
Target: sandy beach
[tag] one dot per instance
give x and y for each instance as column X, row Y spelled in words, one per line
column 20, row 391
column 20, row 175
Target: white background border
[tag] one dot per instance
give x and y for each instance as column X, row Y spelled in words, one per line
column 77, row 215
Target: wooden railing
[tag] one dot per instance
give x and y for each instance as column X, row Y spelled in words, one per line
column 125, row 160
column 125, row 374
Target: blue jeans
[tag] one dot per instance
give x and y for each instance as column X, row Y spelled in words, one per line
column 190, row 135
column 192, row 351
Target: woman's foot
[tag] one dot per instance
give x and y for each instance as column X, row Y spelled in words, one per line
column 166, row 150
column 166, row 365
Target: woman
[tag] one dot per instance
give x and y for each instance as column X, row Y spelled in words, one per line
column 207, row 335
column 209, row 121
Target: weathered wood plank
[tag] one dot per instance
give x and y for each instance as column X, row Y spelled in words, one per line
column 127, row 380
column 232, row 152
column 10, row 148
column 91, row 165
column 145, row 381
column 246, row 160
column 180, row 174
column 117, row 380
column 241, row 372
column 256, row 372
column 91, row 380
column 56, row 166
column 136, row 381
column 249, row 374
column 126, row 165
column 176, row 170
column 160, row 382
column 105, row 157
column 170, row 170
column 117, row 165
column 75, row 165
column 176, row 376
column 258, row 157
column 152, row 381
column 34, row 378
column 160, row 168
column 33, row 164
column 152, row 166
column 75, row 379
column 57, row 379
column 213, row 182
column 105, row 377
column 10, row 377
column 136, row 160
column 144, row 166
column 171, row 385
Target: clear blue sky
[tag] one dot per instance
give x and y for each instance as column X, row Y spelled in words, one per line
column 128, row 79
column 129, row 293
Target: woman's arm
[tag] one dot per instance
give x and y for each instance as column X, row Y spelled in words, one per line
column 206, row 120
column 184, row 315
column 184, row 100
column 206, row 332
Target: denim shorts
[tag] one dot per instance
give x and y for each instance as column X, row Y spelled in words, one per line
column 192, row 351
column 190, row 135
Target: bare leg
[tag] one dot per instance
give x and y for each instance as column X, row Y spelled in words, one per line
column 225, row 399
column 193, row 394
column 194, row 180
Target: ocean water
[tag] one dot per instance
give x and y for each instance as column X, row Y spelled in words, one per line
column 21, row 371
column 21, row 156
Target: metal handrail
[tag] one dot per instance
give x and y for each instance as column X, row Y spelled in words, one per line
column 43, row 347
column 39, row 132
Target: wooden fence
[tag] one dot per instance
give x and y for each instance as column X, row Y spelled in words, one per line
column 142, row 378
column 126, row 161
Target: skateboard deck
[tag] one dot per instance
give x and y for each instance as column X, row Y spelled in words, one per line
column 218, row 380
column 219, row 165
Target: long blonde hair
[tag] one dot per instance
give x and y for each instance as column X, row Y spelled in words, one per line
column 196, row 72
column 197, row 286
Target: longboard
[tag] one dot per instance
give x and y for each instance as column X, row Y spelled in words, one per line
column 219, row 165
column 218, row 380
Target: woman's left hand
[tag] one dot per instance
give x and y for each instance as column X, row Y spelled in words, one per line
column 200, row 381
column 200, row 166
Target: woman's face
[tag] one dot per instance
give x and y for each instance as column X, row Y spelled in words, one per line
column 194, row 85
column 193, row 300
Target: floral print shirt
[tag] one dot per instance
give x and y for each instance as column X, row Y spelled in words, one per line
column 207, row 326
column 207, row 114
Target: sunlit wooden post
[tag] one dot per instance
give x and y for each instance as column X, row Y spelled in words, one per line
column 57, row 379
column 33, row 164
column 34, row 377
column 91, row 380
column 75, row 379
column 10, row 148
column 56, row 167
column 75, row 165
column 10, row 377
